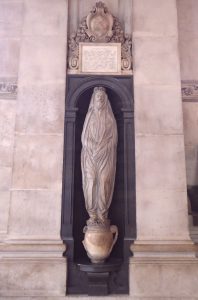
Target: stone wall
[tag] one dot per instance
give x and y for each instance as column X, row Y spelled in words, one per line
column 163, row 252
column 10, row 43
column 33, row 35
column 33, row 57
column 188, row 46
column 160, row 165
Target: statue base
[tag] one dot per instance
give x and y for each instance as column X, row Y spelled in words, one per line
column 98, row 276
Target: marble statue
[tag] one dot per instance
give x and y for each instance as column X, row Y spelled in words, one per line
column 98, row 164
column 98, row 157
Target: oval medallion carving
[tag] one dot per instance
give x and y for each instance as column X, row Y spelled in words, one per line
column 99, row 23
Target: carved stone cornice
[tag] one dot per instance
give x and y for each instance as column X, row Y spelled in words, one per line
column 8, row 88
column 100, row 26
column 190, row 90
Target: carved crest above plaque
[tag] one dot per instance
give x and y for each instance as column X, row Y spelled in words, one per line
column 100, row 26
column 100, row 23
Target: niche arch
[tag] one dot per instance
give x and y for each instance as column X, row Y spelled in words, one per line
column 115, row 84
column 122, row 209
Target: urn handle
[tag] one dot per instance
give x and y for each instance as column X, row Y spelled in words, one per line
column 114, row 230
column 85, row 229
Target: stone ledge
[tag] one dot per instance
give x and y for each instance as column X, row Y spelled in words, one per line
column 172, row 251
column 31, row 249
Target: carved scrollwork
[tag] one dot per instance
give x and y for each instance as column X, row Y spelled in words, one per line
column 126, row 53
column 190, row 89
column 100, row 26
column 8, row 88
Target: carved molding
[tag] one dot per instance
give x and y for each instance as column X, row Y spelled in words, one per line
column 190, row 90
column 100, row 26
column 8, row 88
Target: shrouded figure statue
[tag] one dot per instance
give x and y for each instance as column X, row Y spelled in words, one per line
column 98, row 157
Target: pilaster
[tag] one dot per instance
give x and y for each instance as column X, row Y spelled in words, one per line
column 31, row 262
column 163, row 247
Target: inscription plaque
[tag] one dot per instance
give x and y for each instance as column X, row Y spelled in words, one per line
column 100, row 58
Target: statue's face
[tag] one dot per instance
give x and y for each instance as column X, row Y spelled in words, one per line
column 99, row 99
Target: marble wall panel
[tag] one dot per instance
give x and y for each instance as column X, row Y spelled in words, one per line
column 73, row 16
column 187, row 18
column 9, row 51
column 189, row 61
column 38, row 162
column 150, row 18
column 190, row 112
column 158, row 109
column 188, row 38
column 45, row 18
column 38, row 278
column 47, row 63
column 156, row 61
column 5, row 178
column 191, row 152
column 35, row 213
column 7, row 123
column 41, row 109
column 33, row 49
column 4, row 211
column 160, row 159
column 162, row 214
column 164, row 280
column 160, row 162
column 11, row 18
column 125, row 16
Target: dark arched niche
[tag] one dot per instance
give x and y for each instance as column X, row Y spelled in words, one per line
column 122, row 210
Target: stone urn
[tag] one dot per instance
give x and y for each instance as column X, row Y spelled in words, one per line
column 99, row 241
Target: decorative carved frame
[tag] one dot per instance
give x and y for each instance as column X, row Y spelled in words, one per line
column 113, row 34
column 8, row 88
column 116, row 68
column 190, row 90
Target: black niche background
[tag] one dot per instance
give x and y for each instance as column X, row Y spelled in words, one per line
column 122, row 209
